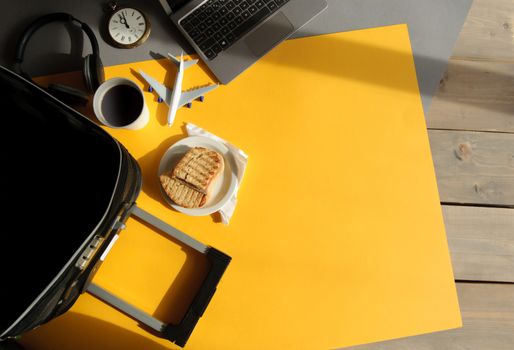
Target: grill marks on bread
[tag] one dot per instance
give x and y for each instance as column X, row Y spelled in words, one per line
column 182, row 193
column 199, row 167
column 188, row 184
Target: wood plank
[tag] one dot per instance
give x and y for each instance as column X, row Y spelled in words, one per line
column 474, row 167
column 477, row 92
column 488, row 317
column 475, row 95
column 488, row 32
column 481, row 242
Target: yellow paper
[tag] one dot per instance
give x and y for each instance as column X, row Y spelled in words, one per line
column 338, row 236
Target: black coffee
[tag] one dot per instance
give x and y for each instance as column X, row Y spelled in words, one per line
column 121, row 105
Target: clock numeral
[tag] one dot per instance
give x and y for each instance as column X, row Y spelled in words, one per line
column 117, row 34
column 142, row 23
column 132, row 14
column 129, row 38
column 141, row 30
column 123, row 38
column 115, row 21
column 138, row 17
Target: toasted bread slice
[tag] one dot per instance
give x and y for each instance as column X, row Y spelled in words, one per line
column 188, row 183
column 199, row 167
column 182, row 193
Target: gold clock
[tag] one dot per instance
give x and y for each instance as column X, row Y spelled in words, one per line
column 127, row 27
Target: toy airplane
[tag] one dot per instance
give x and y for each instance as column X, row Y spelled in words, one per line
column 177, row 98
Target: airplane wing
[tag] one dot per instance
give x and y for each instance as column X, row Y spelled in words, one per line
column 189, row 96
column 160, row 89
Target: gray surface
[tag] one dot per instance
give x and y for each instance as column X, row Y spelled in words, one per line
column 433, row 25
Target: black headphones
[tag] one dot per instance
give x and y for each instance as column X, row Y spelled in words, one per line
column 93, row 68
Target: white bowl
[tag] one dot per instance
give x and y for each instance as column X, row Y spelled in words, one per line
column 221, row 189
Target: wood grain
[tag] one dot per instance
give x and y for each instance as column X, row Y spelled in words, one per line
column 481, row 242
column 477, row 92
column 474, row 167
column 474, row 95
column 488, row 317
column 488, row 32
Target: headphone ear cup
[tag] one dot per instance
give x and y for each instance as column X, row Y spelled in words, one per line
column 93, row 72
column 68, row 95
column 99, row 71
column 87, row 74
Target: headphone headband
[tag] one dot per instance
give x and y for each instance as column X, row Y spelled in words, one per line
column 49, row 18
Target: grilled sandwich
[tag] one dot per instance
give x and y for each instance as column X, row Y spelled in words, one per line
column 188, row 183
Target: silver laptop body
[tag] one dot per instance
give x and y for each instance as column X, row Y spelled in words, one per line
column 247, row 46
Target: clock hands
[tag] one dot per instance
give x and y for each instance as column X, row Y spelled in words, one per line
column 123, row 20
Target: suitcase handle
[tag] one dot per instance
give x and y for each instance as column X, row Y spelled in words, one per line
column 178, row 334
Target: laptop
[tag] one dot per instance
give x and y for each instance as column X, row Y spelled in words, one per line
column 231, row 35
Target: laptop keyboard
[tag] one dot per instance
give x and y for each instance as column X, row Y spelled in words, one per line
column 217, row 24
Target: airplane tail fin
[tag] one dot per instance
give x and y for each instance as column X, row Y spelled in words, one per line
column 187, row 64
column 174, row 60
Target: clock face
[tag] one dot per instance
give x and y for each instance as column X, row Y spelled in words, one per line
column 128, row 27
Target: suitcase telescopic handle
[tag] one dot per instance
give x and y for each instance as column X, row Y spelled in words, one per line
column 178, row 334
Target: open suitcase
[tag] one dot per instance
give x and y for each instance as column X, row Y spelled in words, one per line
column 70, row 188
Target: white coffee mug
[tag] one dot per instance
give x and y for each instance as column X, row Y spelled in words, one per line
column 120, row 103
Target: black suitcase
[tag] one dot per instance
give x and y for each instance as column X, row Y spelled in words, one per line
column 70, row 188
